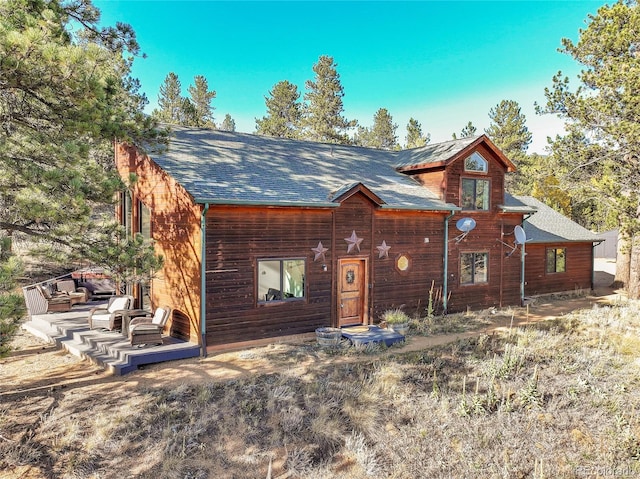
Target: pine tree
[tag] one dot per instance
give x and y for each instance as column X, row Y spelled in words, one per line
column 228, row 124
column 170, row 101
column 382, row 134
column 508, row 130
column 65, row 94
column 468, row 130
column 323, row 120
column 201, row 98
column 415, row 138
column 187, row 114
column 600, row 150
column 284, row 112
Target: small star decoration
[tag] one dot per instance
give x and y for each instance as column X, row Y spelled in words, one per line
column 319, row 251
column 353, row 242
column 383, row 250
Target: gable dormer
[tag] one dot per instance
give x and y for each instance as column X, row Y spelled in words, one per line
column 468, row 172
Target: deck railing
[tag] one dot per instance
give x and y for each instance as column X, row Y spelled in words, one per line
column 33, row 298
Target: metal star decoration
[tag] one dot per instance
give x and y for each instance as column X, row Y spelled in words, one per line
column 319, row 251
column 353, row 242
column 383, row 250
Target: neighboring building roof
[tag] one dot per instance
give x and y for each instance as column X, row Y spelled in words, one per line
column 513, row 204
column 549, row 226
column 221, row 167
column 440, row 154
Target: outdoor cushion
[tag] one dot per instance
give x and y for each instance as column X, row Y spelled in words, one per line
column 118, row 303
column 111, row 316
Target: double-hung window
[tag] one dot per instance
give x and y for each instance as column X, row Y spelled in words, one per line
column 474, row 268
column 556, row 260
column 281, row 279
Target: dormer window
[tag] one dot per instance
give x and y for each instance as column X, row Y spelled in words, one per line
column 475, row 163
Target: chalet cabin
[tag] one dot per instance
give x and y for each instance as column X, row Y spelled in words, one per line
column 267, row 237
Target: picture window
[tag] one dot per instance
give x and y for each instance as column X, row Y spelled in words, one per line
column 281, row 280
column 475, row 162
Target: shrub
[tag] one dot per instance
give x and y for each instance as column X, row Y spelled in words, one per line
column 395, row 316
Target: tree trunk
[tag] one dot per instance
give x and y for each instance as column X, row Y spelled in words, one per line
column 623, row 262
column 633, row 289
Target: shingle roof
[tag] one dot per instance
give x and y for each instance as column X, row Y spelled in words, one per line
column 549, row 226
column 222, row 167
column 514, row 204
column 434, row 153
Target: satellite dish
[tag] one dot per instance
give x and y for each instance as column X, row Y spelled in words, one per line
column 466, row 224
column 521, row 236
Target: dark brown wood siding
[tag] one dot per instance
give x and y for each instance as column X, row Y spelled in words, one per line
column 354, row 214
column 578, row 274
column 435, row 181
column 175, row 227
column 421, row 237
column 495, row 174
column 236, row 238
column 504, row 272
column 493, row 228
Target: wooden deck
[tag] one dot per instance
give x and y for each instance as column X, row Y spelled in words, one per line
column 109, row 349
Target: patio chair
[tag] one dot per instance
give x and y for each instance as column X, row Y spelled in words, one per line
column 110, row 317
column 77, row 294
column 148, row 329
column 59, row 303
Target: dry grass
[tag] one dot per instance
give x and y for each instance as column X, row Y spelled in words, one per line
column 559, row 399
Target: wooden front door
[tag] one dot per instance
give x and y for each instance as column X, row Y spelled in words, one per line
column 352, row 292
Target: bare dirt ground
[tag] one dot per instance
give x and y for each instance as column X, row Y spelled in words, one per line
column 35, row 374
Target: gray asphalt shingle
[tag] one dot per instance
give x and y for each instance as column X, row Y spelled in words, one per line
column 549, row 226
column 222, row 167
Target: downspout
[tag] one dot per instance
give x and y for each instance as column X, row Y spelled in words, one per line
column 445, row 288
column 593, row 263
column 203, row 280
column 522, row 255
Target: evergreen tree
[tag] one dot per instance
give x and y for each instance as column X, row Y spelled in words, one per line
column 228, row 124
column 187, row 114
column 201, row 98
column 600, row 151
column 382, row 134
column 323, row 120
column 12, row 306
column 508, row 130
column 415, row 138
column 170, row 101
column 65, row 94
column 284, row 112
column 468, row 130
